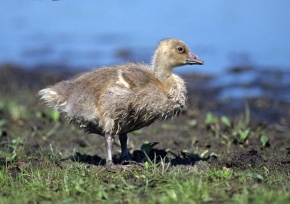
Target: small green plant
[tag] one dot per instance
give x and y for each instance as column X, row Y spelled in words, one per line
column 212, row 123
column 210, row 119
column 255, row 175
column 215, row 175
column 55, row 115
column 239, row 129
column 241, row 135
column 226, row 121
column 14, row 145
column 101, row 194
column 16, row 110
column 146, row 147
column 264, row 140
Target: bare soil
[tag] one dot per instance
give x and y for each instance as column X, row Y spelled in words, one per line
column 183, row 140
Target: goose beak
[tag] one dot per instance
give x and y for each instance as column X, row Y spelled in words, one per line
column 193, row 59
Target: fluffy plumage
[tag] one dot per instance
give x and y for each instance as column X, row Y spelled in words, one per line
column 119, row 99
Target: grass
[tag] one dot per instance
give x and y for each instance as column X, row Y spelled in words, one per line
column 42, row 173
column 44, row 180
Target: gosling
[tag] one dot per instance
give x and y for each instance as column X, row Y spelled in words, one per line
column 119, row 99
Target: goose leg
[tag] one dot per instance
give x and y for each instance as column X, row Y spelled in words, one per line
column 109, row 146
column 125, row 156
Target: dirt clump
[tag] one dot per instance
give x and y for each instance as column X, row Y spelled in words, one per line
column 186, row 140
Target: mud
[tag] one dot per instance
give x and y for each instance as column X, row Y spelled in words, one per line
column 186, row 140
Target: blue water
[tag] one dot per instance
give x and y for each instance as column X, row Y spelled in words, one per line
column 94, row 33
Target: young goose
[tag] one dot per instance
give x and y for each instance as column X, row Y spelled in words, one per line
column 119, row 99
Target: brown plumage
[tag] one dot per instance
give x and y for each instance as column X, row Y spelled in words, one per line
column 119, row 99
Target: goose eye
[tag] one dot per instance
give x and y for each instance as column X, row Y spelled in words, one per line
column 180, row 49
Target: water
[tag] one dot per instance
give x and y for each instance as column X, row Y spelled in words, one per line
column 92, row 33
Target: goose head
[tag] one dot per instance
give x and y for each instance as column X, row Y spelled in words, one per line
column 172, row 53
